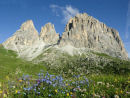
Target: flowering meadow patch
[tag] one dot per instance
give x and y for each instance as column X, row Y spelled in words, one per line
column 46, row 85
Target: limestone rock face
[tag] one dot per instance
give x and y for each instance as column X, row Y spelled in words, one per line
column 82, row 32
column 48, row 34
column 26, row 36
column 85, row 31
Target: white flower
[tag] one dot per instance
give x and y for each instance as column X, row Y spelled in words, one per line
column 99, row 83
column 116, row 96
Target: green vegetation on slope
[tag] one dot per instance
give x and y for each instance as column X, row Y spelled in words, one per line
column 10, row 65
column 105, row 77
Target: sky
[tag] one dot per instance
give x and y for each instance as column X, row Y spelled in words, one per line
column 114, row 13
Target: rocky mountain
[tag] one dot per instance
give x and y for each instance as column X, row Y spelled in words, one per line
column 48, row 34
column 83, row 33
column 26, row 36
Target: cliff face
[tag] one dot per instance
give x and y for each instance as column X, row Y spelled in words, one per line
column 26, row 36
column 48, row 34
column 82, row 31
column 85, row 31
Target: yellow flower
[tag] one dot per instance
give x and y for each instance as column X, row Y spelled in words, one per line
column 56, row 91
column 16, row 91
column 0, row 84
column 7, row 77
column 5, row 96
column 121, row 92
column 20, row 80
column 115, row 80
column 71, row 93
column 21, row 87
column 116, row 92
column 1, row 92
column 66, row 84
column 68, row 94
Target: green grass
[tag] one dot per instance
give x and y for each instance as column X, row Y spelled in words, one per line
column 105, row 78
column 10, row 65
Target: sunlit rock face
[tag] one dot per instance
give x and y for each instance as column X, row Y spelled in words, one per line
column 85, row 31
column 48, row 34
column 26, row 36
column 81, row 32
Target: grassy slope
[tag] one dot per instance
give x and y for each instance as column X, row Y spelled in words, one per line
column 10, row 65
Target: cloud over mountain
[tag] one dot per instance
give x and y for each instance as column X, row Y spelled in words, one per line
column 67, row 12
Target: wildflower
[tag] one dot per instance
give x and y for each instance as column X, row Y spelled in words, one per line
column 82, row 94
column 13, row 87
column 1, row 92
column 97, row 96
column 7, row 77
column 67, row 94
column 49, row 95
column 20, row 80
column 38, row 92
column 108, row 85
column 116, row 92
column 121, row 92
column 5, row 96
column 66, row 84
column 16, row 91
column 0, row 84
column 54, row 85
column 78, row 87
column 115, row 80
column 99, row 83
column 34, row 90
column 127, row 92
column 116, row 96
column 84, row 90
column 71, row 93
column 63, row 92
column 56, row 91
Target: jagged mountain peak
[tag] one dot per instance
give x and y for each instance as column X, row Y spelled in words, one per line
column 79, row 18
column 27, row 25
column 82, row 32
column 47, row 28
column 48, row 34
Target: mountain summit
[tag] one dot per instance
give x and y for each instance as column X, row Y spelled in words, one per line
column 85, row 31
column 81, row 32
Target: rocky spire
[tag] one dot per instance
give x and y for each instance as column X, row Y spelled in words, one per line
column 27, row 35
column 48, row 34
column 27, row 25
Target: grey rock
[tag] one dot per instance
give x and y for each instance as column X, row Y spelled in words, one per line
column 26, row 36
column 85, row 31
column 48, row 34
column 82, row 32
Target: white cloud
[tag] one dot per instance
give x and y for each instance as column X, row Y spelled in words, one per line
column 67, row 12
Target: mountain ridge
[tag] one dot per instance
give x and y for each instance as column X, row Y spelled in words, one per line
column 82, row 31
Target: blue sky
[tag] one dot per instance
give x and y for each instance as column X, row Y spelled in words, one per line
column 114, row 13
